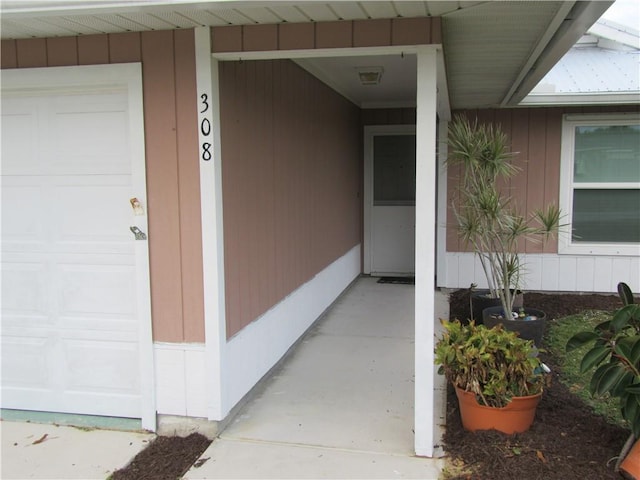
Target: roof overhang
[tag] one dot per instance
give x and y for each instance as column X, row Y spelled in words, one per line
column 494, row 52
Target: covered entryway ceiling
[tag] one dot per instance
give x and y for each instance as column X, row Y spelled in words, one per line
column 495, row 52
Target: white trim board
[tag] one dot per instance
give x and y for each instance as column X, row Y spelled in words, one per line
column 251, row 353
column 211, row 209
column 181, row 379
column 552, row 272
column 568, row 187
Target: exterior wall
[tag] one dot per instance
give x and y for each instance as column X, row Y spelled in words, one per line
column 389, row 116
column 536, row 134
column 341, row 34
column 170, row 112
column 291, row 182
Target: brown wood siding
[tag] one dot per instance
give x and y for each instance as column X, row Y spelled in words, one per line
column 389, row 116
column 338, row 34
column 535, row 133
column 173, row 187
column 291, row 182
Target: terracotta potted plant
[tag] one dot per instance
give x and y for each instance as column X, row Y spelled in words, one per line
column 488, row 220
column 615, row 355
column 498, row 376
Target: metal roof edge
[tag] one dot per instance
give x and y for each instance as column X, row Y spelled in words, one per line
column 607, row 98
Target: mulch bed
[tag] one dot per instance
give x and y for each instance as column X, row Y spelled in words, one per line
column 567, row 440
column 166, row 458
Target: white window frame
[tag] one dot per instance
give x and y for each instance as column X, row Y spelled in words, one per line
column 565, row 243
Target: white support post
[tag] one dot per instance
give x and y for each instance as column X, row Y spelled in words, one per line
column 425, row 251
column 212, row 229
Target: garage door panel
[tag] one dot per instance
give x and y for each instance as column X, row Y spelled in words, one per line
column 25, row 362
column 24, row 289
column 90, row 134
column 112, row 405
column 99, row 366
column 20, row 147
column 22, row 215
column 87, row 218
column 98, row 291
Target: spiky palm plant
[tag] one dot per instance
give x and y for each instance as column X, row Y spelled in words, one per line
column 488, row 220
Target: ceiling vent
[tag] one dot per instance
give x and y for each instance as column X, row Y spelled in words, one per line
column 370, row 75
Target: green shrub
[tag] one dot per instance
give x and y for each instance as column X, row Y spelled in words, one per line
column 493, row 363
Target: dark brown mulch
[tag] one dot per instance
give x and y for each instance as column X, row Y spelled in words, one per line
column 554, row 305
column 567, row 440
column 166, row 458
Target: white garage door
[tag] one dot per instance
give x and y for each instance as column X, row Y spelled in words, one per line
column 75, row 293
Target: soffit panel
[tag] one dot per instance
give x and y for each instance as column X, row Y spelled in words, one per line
column 39, row 28
column 180, row 19
column 79, row 25
column 487, row 46
column 411, row 9
column 349, row 10
column 289, row 14
column 322, row 12
column 379, row 9
column 95, row 25
column 240, row 16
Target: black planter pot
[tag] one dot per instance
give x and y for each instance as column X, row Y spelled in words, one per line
column 527, row 329
column 481, row 299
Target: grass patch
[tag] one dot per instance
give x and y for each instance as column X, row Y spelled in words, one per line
column 560, row 331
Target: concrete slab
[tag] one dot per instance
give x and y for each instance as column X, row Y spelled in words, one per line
column 341, row 392
column 47, row 451
column 245, row 459
column 341, row 406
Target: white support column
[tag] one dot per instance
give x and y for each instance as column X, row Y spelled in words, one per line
column 212, row 228
column 425, row 251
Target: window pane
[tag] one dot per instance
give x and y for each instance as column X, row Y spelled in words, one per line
column 607, row 154
column 610, row 216
column 394, row 170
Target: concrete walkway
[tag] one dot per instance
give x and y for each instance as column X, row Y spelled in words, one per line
column 47, row 451
column 341, row 406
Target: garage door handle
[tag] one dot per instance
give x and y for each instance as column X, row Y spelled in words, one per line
column 140, row 235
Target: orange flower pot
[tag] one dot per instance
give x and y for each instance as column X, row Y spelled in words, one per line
column 516, row 417
column 631, row 463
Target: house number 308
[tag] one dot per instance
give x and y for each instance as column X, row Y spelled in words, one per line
column 205, row 128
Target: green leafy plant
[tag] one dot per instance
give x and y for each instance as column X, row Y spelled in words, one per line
column 559, row 332
column 488, row 220
column 493, row 363
column 615, row 355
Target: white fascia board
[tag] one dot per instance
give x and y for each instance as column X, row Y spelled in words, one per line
column 557, row 100
column 616, row 33
column 25, row 8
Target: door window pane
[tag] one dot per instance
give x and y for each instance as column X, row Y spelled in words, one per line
column 394, row 170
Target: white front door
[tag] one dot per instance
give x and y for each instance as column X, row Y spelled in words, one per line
column 390, row 212
column 76, row 329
